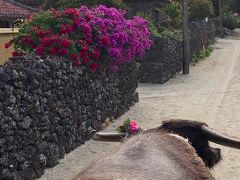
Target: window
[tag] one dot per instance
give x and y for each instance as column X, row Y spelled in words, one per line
column 157, row 15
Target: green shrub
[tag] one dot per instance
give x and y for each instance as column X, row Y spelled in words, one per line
column 201, row 9
column 171, row 33
column 208, row 51
column 202, row 54
column 232, row 5
column 197, row 57
column 174, row 12
column 18, row 23
column 157, row 31
column 78, row 3
column 229, row 21
column 235, row 6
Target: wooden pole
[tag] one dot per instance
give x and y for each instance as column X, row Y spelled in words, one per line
column 185, row 29
column 220, row 17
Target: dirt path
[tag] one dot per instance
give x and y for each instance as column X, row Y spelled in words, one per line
column 211, row 93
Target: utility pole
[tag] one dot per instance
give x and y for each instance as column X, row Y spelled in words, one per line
column 185, row 29
column 220, row 5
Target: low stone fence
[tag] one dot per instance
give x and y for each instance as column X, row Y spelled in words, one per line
column 48, row 107
column 165, row 58
column 162, row 62
column 202, row 35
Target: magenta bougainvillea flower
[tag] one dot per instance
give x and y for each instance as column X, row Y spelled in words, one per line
column 8, row 44
column 129, row 127
column 133, row 127
column 98, row 37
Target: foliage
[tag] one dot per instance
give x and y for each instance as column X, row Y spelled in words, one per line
column 228, row 5
column 201, row 55
column 78, row 3
column 129, row 127
column 151, row 26
column 17, row 23
column 174, row 12
column 157, row 31
column 232, row 5
column 230, row 21
column 171, row 33
column 201, row 9
column 98, row 38
column 235, row 6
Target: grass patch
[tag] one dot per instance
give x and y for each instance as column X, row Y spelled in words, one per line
column 200, row 55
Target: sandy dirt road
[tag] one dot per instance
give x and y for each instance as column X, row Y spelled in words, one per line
column 211, row 93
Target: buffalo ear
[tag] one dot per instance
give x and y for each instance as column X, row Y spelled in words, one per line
column 211, row 156
column 192, row 130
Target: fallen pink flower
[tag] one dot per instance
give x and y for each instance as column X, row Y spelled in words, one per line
column 133, row 127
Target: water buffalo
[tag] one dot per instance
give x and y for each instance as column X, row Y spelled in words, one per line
column 177, row 150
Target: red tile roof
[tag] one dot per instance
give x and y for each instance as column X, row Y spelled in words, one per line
column 11, row 10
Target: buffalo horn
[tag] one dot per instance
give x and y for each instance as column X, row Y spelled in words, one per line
column 107, row 136
column 220, row 138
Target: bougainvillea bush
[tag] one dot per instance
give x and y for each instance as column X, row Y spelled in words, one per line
column 98, row 38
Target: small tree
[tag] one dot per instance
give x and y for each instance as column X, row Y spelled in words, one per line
column 201, row 9
column 77, row 3
column 235, row 6
column 174, row 12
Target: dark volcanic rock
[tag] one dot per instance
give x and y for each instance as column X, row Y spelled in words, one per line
column 48, row 106
column 165, row 58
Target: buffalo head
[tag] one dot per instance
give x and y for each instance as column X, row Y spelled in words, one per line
column 178, row 149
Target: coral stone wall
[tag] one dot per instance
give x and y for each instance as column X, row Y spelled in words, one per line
column 165, row 58
column 201, row 34
column 162, row 62
column 47, row 108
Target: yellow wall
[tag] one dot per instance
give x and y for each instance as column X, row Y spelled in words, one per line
column 5, row 35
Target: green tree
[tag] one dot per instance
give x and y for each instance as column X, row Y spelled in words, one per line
column 233, row 5
column 201, row 9
column 174, row 12
column 78, row 3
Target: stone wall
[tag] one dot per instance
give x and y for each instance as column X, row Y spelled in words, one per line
column 162, row 62
column 47, row 108
column 165, row 58
column 201, row 34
